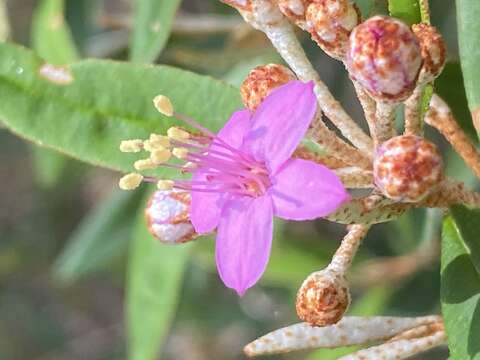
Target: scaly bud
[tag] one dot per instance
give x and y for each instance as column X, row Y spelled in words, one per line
column 261, row 81
column 330, row 23
column 384, row 57
column 323, row 298
column 407, row 168
column 433, row 50
column 130, row 181
column 167, row 215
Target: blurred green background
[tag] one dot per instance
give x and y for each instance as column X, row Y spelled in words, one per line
column 66, row 231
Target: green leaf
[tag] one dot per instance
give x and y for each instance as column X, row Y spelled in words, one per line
column 51, row 37
column 105, row 103
column 468, row 224
column 152, row 25
column 155, row 273
column 460, row 288
column 100, row 239
column 449, row 85
column 53, row 41
column 468, row 13
column 405, row 10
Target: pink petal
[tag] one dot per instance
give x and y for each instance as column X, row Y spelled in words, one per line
column 244, row 239
column 280, row 123
column 305, row 190
column 236, row 128
column 205, row 208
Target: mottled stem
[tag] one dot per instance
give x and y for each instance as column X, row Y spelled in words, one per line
column 385, row 123
column 413, row 110
column 440, row 117
column 343, row 257
column 267, row 18
column 355, row 178
column 368, row 104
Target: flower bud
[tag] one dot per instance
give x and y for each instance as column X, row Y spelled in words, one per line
column 323, row 298
column 384, row 57
column 330, row 23
column 294, row 9
column 245, row 5
column 261, row 81
column 432, row 48
column 167, row 215
column 407, row 168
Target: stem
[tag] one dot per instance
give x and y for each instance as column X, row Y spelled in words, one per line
column 413, row 110
column 368, row 104
column 355, row 178
column 385, row 123
column 440, row 117
column 343, row 257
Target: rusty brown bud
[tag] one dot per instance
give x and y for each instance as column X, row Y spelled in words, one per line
column 323, row 298
column 167, row 215
column 407, row 168
column 330, row 23
column 261, row 81
column 432, row 48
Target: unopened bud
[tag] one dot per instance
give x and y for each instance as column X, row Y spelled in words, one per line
column 261, row 81
column 294, row 9
column 323, row 298
column 407, row 168
column 384, row 57
column 433, row 50
column 330, row 23
column 167, row 215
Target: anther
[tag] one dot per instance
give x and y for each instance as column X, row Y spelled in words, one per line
column 163, row 105
column 131, row 146
column 160, row 156
column 159, row 140
column 180, row 152
column 165, row 184
column 178, row 134
column 144, row 164
column 130, row 181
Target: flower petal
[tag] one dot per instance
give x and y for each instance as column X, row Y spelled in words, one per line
column 243, row 241
column 205, row 208
column 305, row 190
column 280, row 123
column 236, row 128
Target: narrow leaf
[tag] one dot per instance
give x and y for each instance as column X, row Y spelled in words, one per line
column 460, row 294
column 468, row 13
column 95, row 104
column 100, row 239
column 155, row 273
column 152, row 25
column 405, row 10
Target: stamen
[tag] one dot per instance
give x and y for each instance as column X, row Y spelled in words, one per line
column 131, row 146
column 159, row 140
column 180, row 152
column 163, row 105
column 130, row 181
column 144, row 164
column 176, row 133
column 165, row 184
column 160, row 156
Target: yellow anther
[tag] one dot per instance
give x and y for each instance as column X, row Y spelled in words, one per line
column 129, row 146
column 130, row 181
column 159, row 140
column 160, row 156
column 178, row 134
column 180, row 152
column 144, row 164
column 163, row 105
column 165, row 185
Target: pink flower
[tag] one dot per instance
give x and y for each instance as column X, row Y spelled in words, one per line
column 247, row 176
column 244, row 176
